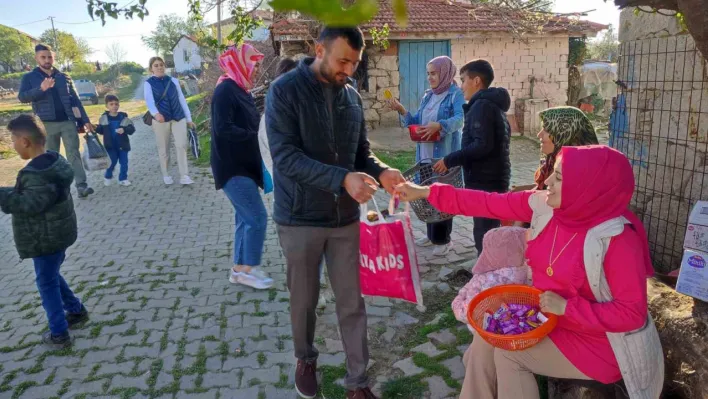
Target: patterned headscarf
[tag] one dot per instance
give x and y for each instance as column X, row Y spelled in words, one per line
column 446, row 73
column 567, row 126
column 238, row 64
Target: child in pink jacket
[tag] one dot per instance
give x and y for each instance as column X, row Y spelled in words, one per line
column 502, row 262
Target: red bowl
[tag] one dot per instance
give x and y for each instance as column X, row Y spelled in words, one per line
column 417, row 137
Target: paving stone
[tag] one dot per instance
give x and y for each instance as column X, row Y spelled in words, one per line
column 334, row 346
column 240, row 362
column 457, row 369
column 378, row 311
column 268, row 319
column 129, row 382
column 112, row 368
column 210, row 394
column 163, row 380
column 444, row 273
column 403, row 319
column 438, row 388
column 271, row 374
column 462, row 348
column 435, row 320
column 428, row 349
column 140, row 351
column 213, row 379
column 408, row 367
column 443, row 337
column 388, row 335
column 444, row 287
column 326, row 359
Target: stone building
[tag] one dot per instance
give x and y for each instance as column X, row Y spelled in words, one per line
column 534, row 71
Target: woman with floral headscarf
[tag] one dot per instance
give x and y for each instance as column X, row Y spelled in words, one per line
column 236, row 160
column 440, row 111
column 562, row 127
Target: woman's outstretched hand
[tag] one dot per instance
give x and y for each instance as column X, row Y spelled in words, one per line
column 553, row 303
column 410, row 192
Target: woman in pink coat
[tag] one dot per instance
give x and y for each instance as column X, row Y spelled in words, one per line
column 582, row 196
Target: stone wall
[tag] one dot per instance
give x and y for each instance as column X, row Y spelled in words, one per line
column 662, row 126
column 383, row 74
column 539, row 65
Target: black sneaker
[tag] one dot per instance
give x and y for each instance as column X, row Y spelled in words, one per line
column 306, row 379
column 56, row 341
column 84, row 191
column 74, row 319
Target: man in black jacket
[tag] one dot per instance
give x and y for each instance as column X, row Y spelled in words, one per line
column 55, row 101
column 317, row 135
column 485, row 139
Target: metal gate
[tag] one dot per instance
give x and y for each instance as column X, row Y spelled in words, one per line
column 660, row 121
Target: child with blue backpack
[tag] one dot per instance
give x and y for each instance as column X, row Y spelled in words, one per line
column 116, row 127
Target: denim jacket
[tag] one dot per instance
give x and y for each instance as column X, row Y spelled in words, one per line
column 450, row 116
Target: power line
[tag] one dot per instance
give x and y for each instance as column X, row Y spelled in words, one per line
column 29, row 23
column 77, row 23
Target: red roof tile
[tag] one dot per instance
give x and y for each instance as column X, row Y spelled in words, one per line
column 444, row 16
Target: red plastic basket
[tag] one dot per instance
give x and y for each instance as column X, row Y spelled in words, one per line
column 418, row 137
column 492, row 299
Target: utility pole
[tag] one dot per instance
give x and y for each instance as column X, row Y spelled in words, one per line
column 218, row 21
column 56, row 42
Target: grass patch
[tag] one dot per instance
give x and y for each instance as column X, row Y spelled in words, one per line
column 262, row 358
column 96, row 327
column 433, row 367
column 22, row 387
column 404, row 387
column 328, row 386
column 401, row 160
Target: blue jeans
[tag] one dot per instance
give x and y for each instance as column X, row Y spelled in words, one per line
column 116, row 156
column 55, row 292
column 251, row 220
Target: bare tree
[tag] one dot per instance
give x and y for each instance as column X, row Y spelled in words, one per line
column 116, row 53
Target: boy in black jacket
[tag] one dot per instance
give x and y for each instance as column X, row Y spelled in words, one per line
column 485, row 139
column 44, row 224
column 116, row 127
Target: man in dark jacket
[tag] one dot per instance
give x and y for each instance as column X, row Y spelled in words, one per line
column 44, row 224
column 55, row 101
column 315, row 126
column 484, row 156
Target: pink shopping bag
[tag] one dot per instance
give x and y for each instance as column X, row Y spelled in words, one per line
column 387, row 259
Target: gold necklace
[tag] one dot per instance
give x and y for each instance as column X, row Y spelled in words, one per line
column 551, row 261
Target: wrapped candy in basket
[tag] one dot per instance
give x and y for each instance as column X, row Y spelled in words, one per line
column 508, row 317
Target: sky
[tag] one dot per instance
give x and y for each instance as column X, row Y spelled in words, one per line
column 71, row 16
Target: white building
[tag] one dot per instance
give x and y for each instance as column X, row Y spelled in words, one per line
column 187, row 55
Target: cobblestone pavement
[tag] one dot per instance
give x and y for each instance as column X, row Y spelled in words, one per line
column 151, row 266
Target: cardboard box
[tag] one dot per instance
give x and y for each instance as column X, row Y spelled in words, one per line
column 693, row 277
column 697, row 230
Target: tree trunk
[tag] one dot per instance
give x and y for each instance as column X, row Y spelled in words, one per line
column 694, row 11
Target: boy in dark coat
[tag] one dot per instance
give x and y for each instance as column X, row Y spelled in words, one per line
column 116, row 127
column 486, row 134
column 44, row 224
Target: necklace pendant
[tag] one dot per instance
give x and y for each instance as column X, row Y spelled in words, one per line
column 549, row 271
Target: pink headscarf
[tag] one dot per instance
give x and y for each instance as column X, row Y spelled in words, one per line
column 598, row 183
column 446, row 72
column 238, row 64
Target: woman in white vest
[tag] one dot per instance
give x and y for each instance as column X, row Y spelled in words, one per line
column 590, row 256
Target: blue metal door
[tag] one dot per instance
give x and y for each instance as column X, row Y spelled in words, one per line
column 413, row 58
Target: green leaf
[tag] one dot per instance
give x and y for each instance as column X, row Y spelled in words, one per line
column 401, row 12
column 330, row 12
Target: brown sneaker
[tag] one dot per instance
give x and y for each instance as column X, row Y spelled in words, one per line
column 361, row 393
column 306, row 379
